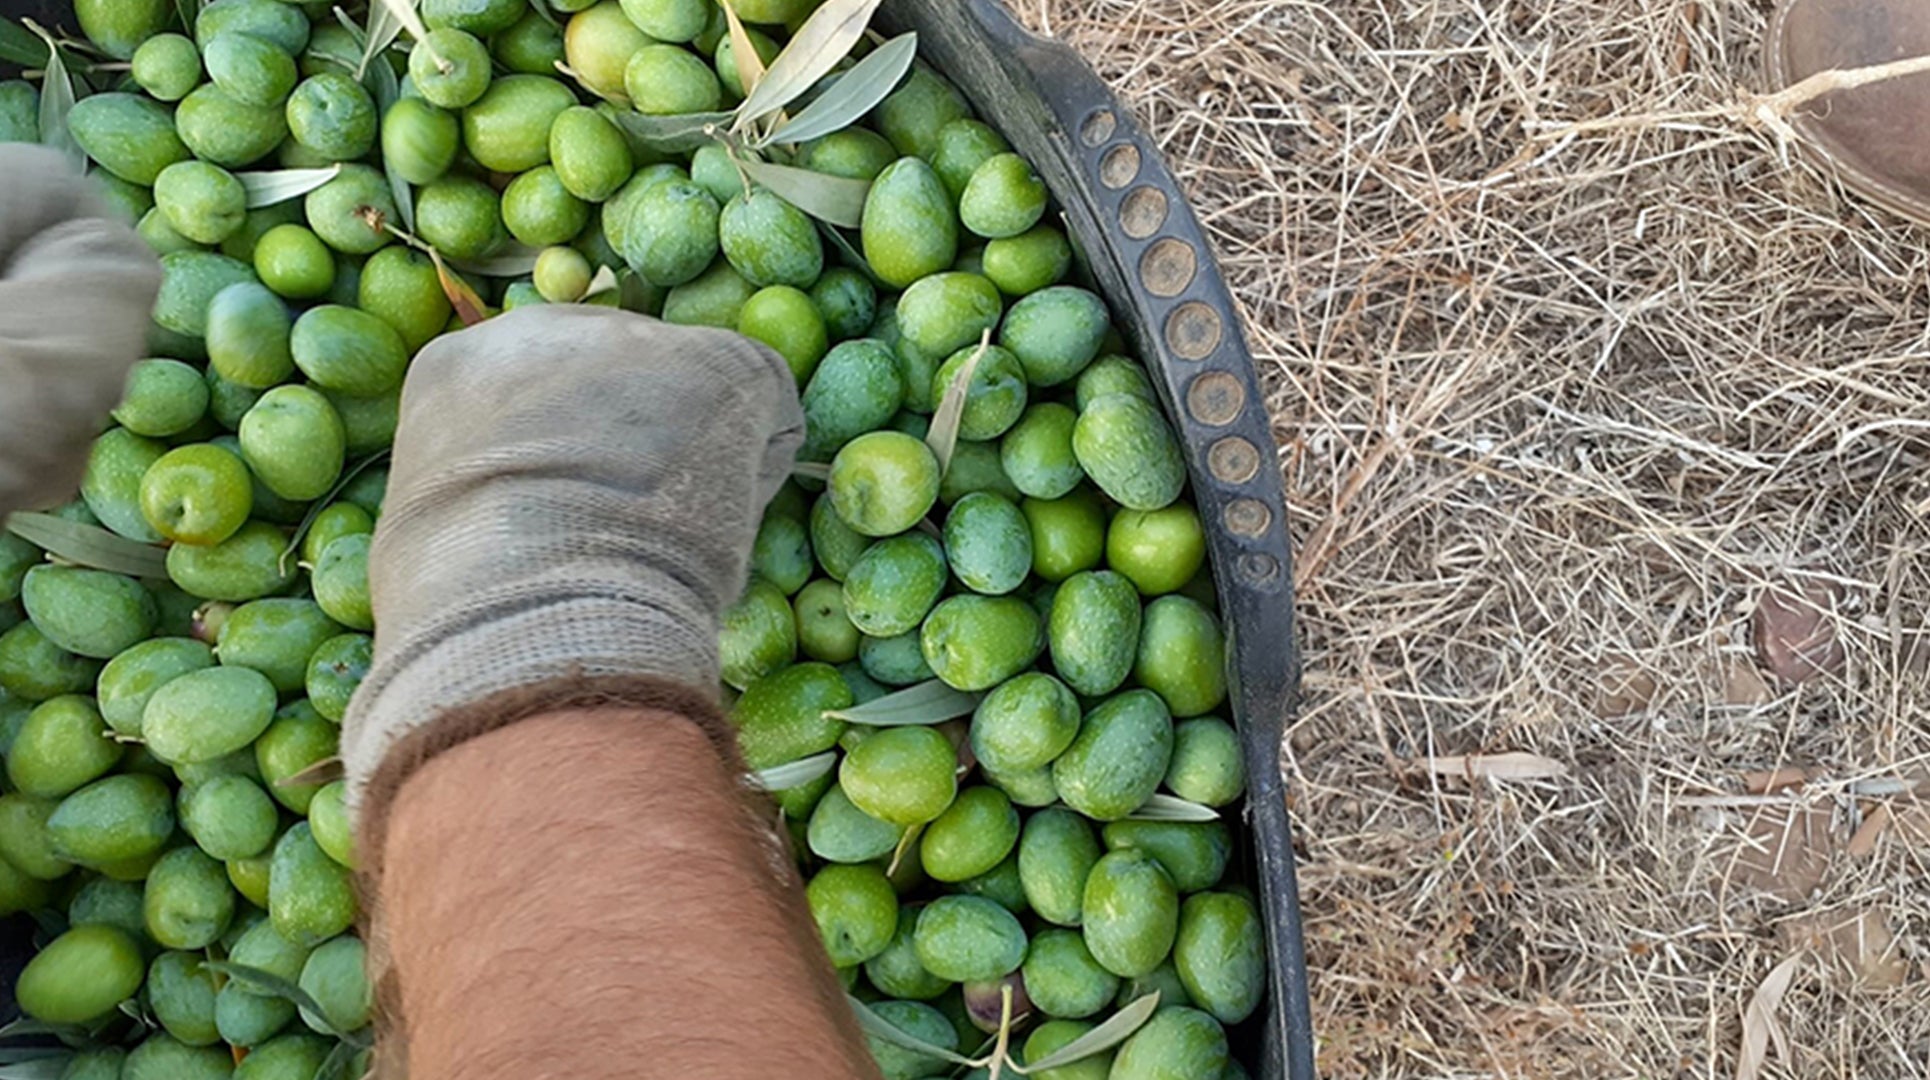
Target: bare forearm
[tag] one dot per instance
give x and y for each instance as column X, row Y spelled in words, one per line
column 584, row 894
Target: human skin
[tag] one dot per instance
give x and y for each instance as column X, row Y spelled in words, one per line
column 591, row 894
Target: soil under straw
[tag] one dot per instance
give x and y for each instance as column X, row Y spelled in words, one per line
column 1554, row 412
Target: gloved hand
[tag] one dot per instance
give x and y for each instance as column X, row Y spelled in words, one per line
column 76, row 287
column 571, row 507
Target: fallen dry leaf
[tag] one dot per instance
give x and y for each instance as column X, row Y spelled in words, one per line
column 1868, row 833
column 1759, row 1024
column 1742, row 684
column 1765, row 781
column 1913, row 826
column 1795, row 633
column 1510, row 766
column 1861, row 946
column 1624, row 689
column 1785, row 851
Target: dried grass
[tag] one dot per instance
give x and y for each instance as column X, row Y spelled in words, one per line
column 1554, row 413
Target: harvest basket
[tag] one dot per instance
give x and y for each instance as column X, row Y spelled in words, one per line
column 1145, row 252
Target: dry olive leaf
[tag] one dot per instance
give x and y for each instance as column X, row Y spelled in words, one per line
column 1625, row 689
column 1510, row 766
column 1767, row 781
column 1784, row 851
column 1861, row 945
column 743, row 53
column 1759, row 1024
column 1875, row 823
column 1795, row 633
column 1743, row 685
column 326, row 771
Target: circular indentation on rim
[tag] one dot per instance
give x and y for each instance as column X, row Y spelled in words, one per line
column 1168, row 267
column 1143, row 212
column 1099, row 127
column 1194, row 330
column 1215, row 398
column 1259, row 568
column 1233, row 460
column 1247, row 517
column 1119, row 166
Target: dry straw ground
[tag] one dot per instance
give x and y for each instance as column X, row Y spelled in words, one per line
column 1555, row 415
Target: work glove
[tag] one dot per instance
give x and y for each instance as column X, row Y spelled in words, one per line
column 76, row 288
column 571, row 507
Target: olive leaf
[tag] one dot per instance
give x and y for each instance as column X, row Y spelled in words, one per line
column 794, row 774
column 89, row 545
column 825, row 38
column 605, row 280
column 46, row 1068
column 326, row 771
column 611, row 96
column 671, row 134
column 406, row 18
column 1114, row 1031
column 468, row 305
column 269, row 188
column 382, row 85
column 341, row 484
column 514, row 260
column 835, row 199
column 929, row 702
column 49, row 923
column 743, row 53
column 335, row 1065
column 27, row 1026
column 385, row 25
column 812, row 470
column 21, row 1055
column 856, row 93
column 359, row 35
column 1171, row 808
column 131, row 1008
column 942, row 436
column 883, row 1029
column 56, row 101
column 852, row 256
column 269, row 984
column 18, row 45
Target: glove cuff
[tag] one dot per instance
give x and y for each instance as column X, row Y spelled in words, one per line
column 450, row 684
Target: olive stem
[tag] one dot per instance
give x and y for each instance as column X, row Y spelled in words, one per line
column 1005, row 1031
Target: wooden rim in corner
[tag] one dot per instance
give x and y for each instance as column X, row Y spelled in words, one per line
column 1822, row 146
